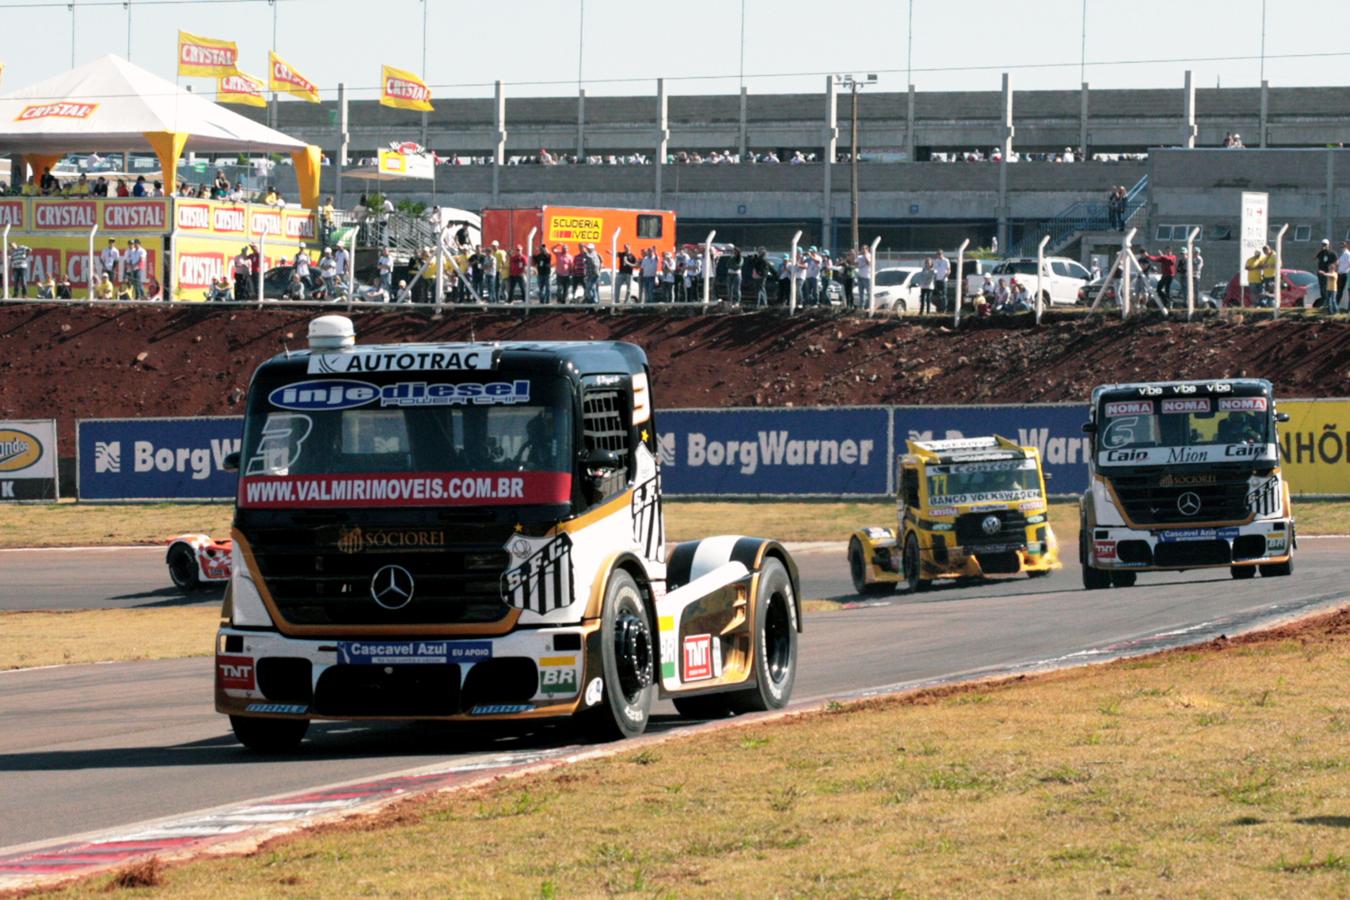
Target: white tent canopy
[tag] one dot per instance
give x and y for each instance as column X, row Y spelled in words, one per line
column 110, row 105
column 127, row 103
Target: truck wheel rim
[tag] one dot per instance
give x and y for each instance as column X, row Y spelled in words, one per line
column 633, row 653
column 777, row 639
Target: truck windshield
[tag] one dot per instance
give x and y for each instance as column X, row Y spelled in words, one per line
column 1183, row 422
column 994, row 481
column 447, row 429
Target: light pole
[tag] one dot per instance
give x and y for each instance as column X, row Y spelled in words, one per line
column 581, row 42
column 128, row 9
column 853, row 83
column 1263, row 42
column 71, row 7
column 742, row 84
column 909, row 52
column 1082, row 64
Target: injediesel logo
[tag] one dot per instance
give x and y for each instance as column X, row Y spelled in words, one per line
column 310, row 395
column 334, row 394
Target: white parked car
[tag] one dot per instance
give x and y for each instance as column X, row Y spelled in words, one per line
column 1060, row 280
column 895, row 289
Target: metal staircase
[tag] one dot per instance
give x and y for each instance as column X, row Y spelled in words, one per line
column 1078, row 219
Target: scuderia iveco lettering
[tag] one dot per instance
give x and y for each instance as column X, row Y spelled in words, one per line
column 475, row 532
column 1184, row 475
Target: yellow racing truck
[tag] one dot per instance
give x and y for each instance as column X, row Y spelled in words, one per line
column 967, row 508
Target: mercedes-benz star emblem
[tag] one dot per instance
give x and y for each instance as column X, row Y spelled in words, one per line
column 1188, row 504
column 991, row 525
column 392, row 587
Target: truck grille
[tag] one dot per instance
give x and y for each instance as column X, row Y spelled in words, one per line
column 323, row 575
column 1012, row 529
column 1161, row 496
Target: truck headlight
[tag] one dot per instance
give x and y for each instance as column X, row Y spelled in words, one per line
column 247, row 607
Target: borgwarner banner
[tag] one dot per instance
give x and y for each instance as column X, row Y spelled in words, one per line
column 28, row 459
column 157, row 459
column 1056, row 430
column 763, row 452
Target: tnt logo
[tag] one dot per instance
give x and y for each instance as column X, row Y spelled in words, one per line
column 698, row 657
column 235, row 672
column 107, row 457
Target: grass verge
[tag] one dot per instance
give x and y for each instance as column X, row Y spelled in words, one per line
column 70, row 524
column 1213, row 771
column 101, row 635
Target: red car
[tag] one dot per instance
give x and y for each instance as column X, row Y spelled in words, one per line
column 1297, row 288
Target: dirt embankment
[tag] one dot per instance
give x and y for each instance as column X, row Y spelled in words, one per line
column 82, row 362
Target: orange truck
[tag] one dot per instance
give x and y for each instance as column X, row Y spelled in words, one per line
column 577, row 225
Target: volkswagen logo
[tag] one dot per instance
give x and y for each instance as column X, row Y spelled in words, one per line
column 1188, row 504
column 991, row 525
column 392, row 587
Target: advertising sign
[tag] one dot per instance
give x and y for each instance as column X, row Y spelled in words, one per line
column 142, row 216
column 406, row 165
column 1054, row 429
column 27, row 459
column 197, row 260
column 14, row 213
column 282, row 77
column 69, row 256
column 1254, row 231
column 571, row 229
column 206, row 57
column 753, row 452
column 403, row 90
column 156, row 459
column 241, row 89
column 1315, row 446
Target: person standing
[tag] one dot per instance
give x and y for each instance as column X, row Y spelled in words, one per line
column 19, row 255
column 649, row 268
column 328, row 272
column 503, row 269
column 811, row 279
column 669, row 272
column 243, row 286
column 516, row 273
column 923, row 280
column 848, row 273
column 735, row 263
column 1167, row 270
column 385, row 266
column 110, row 260
column 327, row 218
column 341, row 259
column 942, row 268
column 624, row 280
column 1325, row 261
column 562, row 270
column 1253, row 266
column 759, row 276
column 135, row 268
column 1342, row 272
column 302, row 265
column 591, row 272
column 1270, row 270
column 543, row 264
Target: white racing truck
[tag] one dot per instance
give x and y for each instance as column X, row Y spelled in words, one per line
column 474, row 532
column 1184, row 475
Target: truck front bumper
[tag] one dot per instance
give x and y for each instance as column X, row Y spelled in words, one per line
column 527, row 674
column 1265, row 541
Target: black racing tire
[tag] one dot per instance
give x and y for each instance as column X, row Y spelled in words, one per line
column 775, row 644
column 1093, row 579
column 182, row 564
column 910, row 564
column 269, row 735
column 857, row 571
column 1124, row 579
column 1275, row 570
column 1242, row 573
column 628, row 660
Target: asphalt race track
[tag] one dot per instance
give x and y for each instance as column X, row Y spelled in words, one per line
column 96, row 746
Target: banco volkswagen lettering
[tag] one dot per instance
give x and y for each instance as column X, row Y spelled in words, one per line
column 475, row 531
column 1185, row 475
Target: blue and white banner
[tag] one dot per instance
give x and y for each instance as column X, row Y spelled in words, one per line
column 776, row 452
column 1056, row 429
column 157, row 459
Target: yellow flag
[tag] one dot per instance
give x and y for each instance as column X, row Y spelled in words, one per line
column 242, row 89
column 282, row 78
column 403, row 90
column 206, row 57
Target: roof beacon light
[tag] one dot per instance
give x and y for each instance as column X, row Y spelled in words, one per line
column 332, row 333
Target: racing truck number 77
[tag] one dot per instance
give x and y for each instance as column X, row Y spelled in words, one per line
column 475, row 532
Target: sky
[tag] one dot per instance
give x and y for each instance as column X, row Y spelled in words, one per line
column 622, row 46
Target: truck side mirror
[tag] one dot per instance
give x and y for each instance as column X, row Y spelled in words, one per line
column 231, row 462
column 1089, row 428
column 1281, row 417
column 601, row 459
